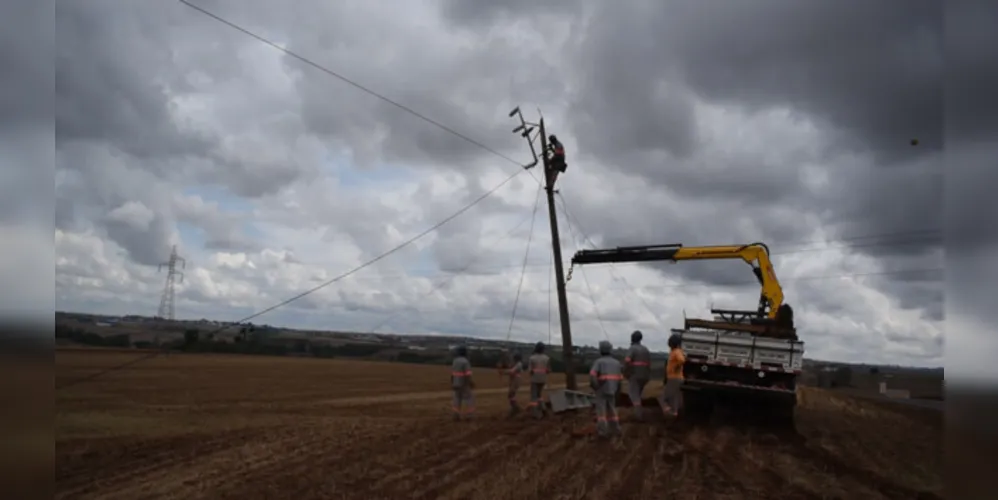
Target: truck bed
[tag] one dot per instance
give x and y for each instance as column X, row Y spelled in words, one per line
column 741, row 349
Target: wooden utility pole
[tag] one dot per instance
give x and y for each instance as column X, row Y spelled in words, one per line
column 550, row 177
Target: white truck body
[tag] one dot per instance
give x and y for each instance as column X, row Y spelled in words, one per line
column 744, row 350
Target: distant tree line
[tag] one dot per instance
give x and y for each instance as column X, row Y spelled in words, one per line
column 83, row 336
column 252, row 341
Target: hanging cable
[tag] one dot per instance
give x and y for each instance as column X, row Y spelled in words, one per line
column 440, row 284
column 314, row 289
column 613, row 266
column 592, row 296
column 350, row 82
column 613, row 270
column 523, row 269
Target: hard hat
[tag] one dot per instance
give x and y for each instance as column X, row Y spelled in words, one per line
column 539, row 347
column 462, row 350
column 636, row 336
column 675, row 341
column 605, row 347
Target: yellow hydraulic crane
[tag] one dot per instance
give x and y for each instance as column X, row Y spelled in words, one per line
column 771, row 307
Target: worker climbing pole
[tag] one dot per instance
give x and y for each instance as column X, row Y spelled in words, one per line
column 553, row 160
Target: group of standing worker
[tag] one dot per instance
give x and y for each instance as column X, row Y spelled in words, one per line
column 606, row 376
column 537, row 368
column 607, row 373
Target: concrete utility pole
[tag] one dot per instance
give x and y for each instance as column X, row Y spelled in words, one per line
column 167, row 305
column 550, row 177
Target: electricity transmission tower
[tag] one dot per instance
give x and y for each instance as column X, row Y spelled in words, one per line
column 167, row 302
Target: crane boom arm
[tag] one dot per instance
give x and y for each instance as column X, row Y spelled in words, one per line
column 755, row 254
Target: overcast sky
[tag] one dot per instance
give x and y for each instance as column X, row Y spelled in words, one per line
column 701, row 123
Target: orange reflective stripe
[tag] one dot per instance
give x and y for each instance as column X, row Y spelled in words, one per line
column 592, row 373
column 611, row 377
column 461, row 374
column 641, row 363
column 627, row 359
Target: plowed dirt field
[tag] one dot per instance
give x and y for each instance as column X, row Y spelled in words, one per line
column 213, row 427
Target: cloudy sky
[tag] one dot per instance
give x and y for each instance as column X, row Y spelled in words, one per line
column 692, row 122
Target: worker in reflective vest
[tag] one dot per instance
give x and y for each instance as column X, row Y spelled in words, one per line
column 637, row 367
column 462, row 385
column 539, row 364
column 514, row 383
column 605, row 377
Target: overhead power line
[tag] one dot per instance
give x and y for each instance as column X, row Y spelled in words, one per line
column 450, row 277
column 350, row 82
column 314, row 289
column 545, row 264
column 585, row 278
column 404, row 244
column 523, row 269
column 368, row 263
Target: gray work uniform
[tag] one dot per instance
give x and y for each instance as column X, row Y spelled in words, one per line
column 460, row 372
column 638, row 362
column 539, row 365
column 514, row 383
column 605, row 377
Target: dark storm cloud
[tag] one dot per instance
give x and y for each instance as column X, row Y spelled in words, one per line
column 873, row 70
column 868, row 74
column 107, row 62
column 27, row 43
column 479, row 13
column 972, row 167
column 469, row 91
column 117, row 71
column 971, row 54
